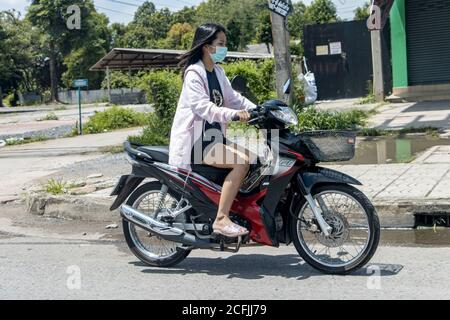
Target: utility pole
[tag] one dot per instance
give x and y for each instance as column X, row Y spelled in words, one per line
column 377, row 61
column 283, row 66
column 379, row 13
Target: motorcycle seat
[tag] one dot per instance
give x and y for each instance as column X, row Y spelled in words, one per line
column 159, row 154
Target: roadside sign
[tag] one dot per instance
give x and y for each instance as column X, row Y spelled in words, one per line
column 282, row 7
column 80, row 83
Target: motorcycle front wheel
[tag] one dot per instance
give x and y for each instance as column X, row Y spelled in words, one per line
column 355, row 230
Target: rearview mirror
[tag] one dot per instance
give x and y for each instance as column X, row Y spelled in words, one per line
column 239, row 84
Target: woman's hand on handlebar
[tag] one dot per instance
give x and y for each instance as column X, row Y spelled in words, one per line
column 243, row 115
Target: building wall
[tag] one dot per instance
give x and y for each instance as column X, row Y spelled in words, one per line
column 399, row 46
column 402, row 87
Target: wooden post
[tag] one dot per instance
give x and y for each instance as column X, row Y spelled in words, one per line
column 377, row 62
column 108, row 79
column 282, row 55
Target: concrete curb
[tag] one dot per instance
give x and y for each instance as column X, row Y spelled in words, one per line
column 71, row 207
column 392, row 213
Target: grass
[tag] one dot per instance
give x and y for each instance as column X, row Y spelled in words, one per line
column 373, row 132
column 50, row 116
column 113, row 149
column 115, row 118
column 370, row 98
column 312, row 119
column 56, row 187
column 15, row 141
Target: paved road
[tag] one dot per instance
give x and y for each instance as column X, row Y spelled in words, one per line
column 21, row 164
column 27, row 122
column 43, row 260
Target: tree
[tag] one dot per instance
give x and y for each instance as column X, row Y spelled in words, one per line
column 145, row 11
column 321, row 11
column 296, row 20
column 18, row 54
column 239, row 17
column 117, row 31
column 86, row 53
column 51, row 17
column 148, row 28
column 264, row 31
column 185, row 15
column 176, row 34
column 362, row 13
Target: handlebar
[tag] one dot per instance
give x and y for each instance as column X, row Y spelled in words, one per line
column 253, row 115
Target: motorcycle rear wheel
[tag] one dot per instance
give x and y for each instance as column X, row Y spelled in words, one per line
column 163, row 253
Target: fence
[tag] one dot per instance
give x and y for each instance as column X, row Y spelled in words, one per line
column 118, row 96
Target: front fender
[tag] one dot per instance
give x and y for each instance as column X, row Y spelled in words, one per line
column 321, row 175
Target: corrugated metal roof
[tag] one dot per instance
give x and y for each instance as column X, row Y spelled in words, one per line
column 134, row 59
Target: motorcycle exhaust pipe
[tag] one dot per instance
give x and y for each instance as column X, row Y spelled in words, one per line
column 164, row 230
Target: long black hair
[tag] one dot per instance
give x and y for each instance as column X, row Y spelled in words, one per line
column 204, row 35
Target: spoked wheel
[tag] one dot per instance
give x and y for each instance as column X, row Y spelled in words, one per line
column 355, row 230
column 149, row 248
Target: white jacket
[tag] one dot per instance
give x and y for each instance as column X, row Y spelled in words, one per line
column 195, row 106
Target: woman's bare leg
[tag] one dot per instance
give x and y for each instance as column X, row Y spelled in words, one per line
column 226, row 157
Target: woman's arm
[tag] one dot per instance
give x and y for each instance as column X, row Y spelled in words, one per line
column 200, row 102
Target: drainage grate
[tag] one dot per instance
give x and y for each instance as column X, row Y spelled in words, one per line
column 432, row 219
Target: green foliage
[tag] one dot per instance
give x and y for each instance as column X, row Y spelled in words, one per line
column 296, row 48
column 321, row 11
column 49, row 116
column 163, row 89
column 115, row 118
column 85, row 55
column 18, row 141
column 179, row 36
column 264, row 31
column 156, row 133
column 119, row 79
column 18, row 54
column 259, row 76
column 370, row 97
column 296, row 20
column 56, row 187
column 148, row 27
column 239, row 17
column 9, row 100
column 312, row 119
column 362, row 13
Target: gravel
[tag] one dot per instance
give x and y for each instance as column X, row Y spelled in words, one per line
column 52, row 133
column 111, row 166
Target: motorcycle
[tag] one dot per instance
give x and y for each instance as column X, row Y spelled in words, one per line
column 332, row 224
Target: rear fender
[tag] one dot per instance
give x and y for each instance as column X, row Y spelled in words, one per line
column 126, row 185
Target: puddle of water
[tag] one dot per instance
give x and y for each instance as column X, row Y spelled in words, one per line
column 418, row 237
column 383, row 150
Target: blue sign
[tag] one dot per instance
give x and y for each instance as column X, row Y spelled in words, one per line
column 80, row 83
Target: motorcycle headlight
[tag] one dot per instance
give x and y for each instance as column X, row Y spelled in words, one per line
column 286, row 115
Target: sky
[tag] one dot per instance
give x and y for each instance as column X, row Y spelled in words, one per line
column 123, row 10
